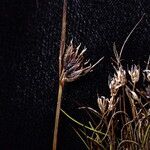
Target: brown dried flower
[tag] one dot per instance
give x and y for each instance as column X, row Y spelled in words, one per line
column 117, row 81
column 102, row 103
column 147, row 70
column 74, row 65
column 105, row 104
column 147, row 75
column 111, row 104
column 134, row 73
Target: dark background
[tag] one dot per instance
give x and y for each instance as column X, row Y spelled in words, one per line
column 29, row 48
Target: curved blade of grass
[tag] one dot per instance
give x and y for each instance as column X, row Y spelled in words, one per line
column 93, row 140
column 126, row 124
column 77, row 122
column 127, row 141
column 81, row 138
column 111, row 119
column 92, row 110
column 146, row 135
column 93, row 128
column 129, row 36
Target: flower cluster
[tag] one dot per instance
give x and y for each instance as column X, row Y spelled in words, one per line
column 74, row 65
column 134, row 73
column 147, row 71
column 117, row 81
column 105, row 104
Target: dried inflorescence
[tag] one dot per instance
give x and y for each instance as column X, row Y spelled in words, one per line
column 117, row 81
column 74, row 65
column 127, row 110
column 105, row 104
column 134, row 73
column 147, row 71
column 147, row 76
column 102, row 104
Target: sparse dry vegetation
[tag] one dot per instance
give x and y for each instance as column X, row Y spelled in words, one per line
column 123, row 117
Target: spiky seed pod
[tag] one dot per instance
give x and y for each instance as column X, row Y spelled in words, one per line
column 74, row 65
column 134, row 73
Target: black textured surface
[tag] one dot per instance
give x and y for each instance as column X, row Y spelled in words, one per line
column 29, row 45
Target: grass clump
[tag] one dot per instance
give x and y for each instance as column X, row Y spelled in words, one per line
column 124, row 116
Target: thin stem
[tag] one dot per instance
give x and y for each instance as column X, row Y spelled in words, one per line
column 80, row 124
column 58, row 108
column 111, row 147
column 61, row 85
column 113, row 136
column 63, row 36
column 129, row 36
column 145, row 136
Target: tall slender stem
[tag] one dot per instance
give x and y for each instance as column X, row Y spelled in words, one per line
column 63, row 36
column 61, row 83
column 58, row 108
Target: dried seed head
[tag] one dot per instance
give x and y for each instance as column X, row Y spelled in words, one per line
column 112, row 87
column 111, row 104
column 121, row 77
column 74, row 65
column 147, row 70
column 147, row 74
column 102, row 104
column 134, row 73
column 117, row 81
column 105, row 104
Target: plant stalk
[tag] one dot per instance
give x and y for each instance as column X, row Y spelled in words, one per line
column 57, row 115
column 61, row 82
column 63, row 36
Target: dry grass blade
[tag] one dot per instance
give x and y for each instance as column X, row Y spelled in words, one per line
column 110, row 122
column 129, row 36
column 146, row 136
column 126, row 142
column 80, row 124
column 81, row 138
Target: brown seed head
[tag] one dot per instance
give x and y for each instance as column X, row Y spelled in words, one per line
column 102, row 104
column 117, row 81
column 134, row 73
column 74, row 65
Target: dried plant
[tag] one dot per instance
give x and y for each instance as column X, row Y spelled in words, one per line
column 72, row 66
column 103, row 104
column 147, row 71
column 124, row 118
column 134, row 73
